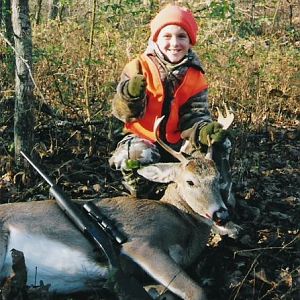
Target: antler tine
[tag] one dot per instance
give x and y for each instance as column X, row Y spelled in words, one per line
column 225, row 121
column 174, row 153
column 209, row 154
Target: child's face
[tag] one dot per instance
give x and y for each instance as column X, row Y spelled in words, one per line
column 174, row 42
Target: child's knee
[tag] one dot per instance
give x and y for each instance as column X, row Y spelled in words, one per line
column 133, row 151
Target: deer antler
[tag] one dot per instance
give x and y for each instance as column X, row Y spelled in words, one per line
column 225, row 121
column 177, row 155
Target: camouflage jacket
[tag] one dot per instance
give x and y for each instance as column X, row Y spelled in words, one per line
column 194, row 114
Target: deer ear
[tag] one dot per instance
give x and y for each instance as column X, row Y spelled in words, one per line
column 160, row 172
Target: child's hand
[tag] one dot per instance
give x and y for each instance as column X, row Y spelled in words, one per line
column 214, row 131
column 137, row 85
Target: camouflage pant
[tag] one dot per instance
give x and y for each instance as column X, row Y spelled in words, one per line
column 133, row 152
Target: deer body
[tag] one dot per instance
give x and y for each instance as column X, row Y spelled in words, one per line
column 57, row 253
column 163, row 236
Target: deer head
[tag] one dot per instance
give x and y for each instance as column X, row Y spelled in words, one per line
column 196, row 179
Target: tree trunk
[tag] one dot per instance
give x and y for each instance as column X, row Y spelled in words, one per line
column 62, row 12
column 53, row 9
column 7, row 20
column 23, row 121
column 86, row 79
column 1, row 4
column 38, row 8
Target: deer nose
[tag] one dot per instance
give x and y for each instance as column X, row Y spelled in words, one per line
column 221, row 216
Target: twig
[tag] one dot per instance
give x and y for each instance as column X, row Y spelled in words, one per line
column 292, row 241
column 43, row 102
column 244, row 279
column 25, row 63
column 264, row 248
column 87, row 75
column 296, row 270
column 62, row 98
column 68, row 124
column 275, row 14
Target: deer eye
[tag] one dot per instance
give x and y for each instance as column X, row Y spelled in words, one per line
column 190, row 182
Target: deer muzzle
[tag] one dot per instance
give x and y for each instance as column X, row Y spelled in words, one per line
column 221, row 216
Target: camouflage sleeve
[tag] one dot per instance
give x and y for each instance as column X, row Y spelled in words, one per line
column 194, row 114
column 125, row 107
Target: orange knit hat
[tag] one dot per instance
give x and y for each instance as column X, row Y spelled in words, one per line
column 175, row 15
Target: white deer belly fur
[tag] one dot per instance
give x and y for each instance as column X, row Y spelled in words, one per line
column 66, row 269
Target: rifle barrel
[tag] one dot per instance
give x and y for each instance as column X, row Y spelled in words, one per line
column 46, row 178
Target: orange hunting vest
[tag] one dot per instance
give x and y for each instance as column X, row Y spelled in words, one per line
column 193, row 83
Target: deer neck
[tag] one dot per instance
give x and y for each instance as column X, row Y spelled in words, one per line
column 172, row 197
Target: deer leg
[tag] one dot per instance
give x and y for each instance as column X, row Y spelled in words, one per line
column 160, row 292
column 163, row 269
column 3, row 246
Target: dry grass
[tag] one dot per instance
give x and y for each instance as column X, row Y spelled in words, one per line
column 251, row 57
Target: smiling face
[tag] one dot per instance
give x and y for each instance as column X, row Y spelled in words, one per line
column 174, row 42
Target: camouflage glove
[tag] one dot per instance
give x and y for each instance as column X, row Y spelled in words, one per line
column 215, row 132
column 132, row 164
column 136, row 85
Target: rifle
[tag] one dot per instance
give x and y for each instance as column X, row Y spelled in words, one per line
column 100, row 231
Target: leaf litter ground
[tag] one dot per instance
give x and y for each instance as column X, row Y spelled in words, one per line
column 262, row 263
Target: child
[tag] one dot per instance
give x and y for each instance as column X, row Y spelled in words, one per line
column 167, row 79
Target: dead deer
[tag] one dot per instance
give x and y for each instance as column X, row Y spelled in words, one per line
column 163, row 236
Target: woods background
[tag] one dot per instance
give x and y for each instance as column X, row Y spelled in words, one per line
column 250, row 50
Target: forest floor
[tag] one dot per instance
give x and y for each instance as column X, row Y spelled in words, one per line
column 262, row 263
